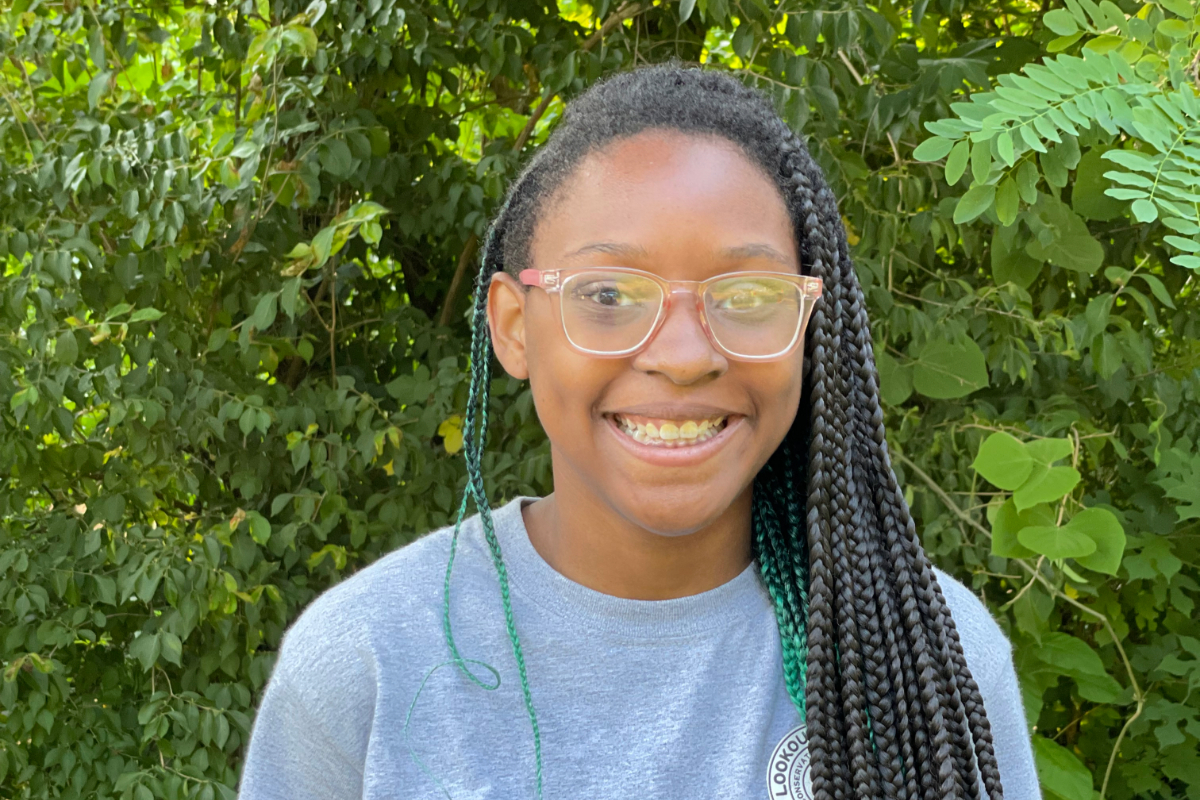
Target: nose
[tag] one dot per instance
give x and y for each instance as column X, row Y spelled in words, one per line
column 680, row 350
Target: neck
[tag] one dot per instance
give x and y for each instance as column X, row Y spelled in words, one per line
column 587, row 540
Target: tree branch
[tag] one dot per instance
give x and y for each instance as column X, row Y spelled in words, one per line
column 460, row 272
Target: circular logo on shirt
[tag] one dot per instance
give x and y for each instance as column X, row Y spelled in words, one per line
column 789, row 775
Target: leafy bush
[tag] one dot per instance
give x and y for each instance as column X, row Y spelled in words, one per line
column 238, row 239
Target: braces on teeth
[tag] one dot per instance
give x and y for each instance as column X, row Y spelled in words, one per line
column 669, row 434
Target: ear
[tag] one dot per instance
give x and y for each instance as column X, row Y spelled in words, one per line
column 506, row 321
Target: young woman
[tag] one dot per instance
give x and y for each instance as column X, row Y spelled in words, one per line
column 725, row 596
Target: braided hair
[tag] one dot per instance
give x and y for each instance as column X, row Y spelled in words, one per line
column 871, row 657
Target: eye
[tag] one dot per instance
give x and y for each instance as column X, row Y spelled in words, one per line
column 604, row 293
column 615, row 291
column 745, row 296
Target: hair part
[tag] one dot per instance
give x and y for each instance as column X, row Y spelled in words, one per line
column 871, row 657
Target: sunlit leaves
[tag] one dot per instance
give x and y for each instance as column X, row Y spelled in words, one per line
column 1103, row 94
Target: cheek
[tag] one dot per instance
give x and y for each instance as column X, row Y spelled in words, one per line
column 777, row 393
column 566, row 385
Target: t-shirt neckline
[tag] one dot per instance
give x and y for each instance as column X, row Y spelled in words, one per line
column 531, row 576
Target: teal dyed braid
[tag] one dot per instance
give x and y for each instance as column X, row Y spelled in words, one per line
column 473, row 443
column 784, row 567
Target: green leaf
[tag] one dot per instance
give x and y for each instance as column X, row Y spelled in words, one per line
column 1008, row 522
column 172, row 648
column 932, row 149
column 322, row 245
column 977, row 200
column 1061, row 22
column 1004, row 148
column 146, row 314
column 1055, row 542
column 145, row 649
column 1074, row 657
column 1007, row 201
column 217, row 339
column 956, row 162
column 1010, row 262
column 945, row 370
column 260, row 527
column 895, row 379
column 1180, row 7
column 1103, row 528
column 265, row 311
column 336, row 158
column 1027, row 180
column 1158, row 289
column 96, row 50
column 66, row 348
column 140, row 231
column 246, row 148
column 26, row 396
column 1144, row 210
column 1070, row 654
column 1003, row 461
column 247, row 421
column 1061, row 237
column 1060, row 771
column 129, row 204
column 1045, row 485
column 1046, row 451
column 98, row 88
column 685, row 10
column 1174, row 28
column 981, row 161
column 1088, row 196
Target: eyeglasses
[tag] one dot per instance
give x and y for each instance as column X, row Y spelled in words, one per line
column 616, row 311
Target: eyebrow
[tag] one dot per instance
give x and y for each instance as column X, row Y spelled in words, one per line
column 758, row 250
column 755, row 250
column 612, row 249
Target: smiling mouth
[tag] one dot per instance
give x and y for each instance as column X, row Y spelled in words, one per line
column 668, row 432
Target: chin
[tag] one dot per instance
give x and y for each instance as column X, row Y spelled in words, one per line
column 673, row 511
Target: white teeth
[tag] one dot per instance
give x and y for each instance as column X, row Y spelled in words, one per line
column 671, row 434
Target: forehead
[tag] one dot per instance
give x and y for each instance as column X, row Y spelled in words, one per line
column 668, row 193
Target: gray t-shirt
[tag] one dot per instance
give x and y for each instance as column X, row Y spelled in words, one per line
column 666, row 699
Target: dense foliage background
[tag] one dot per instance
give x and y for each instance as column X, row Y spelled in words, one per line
column 237, row 241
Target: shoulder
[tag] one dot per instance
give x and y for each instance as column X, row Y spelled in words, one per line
column 405, row 582
column 388, row 606
column 984, row 644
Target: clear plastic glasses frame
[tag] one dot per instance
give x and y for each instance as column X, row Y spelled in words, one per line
column 808, row 289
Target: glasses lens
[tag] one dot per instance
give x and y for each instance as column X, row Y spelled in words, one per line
column 754, row 315
column 609, row 312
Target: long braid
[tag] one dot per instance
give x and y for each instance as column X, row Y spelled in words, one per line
column 478, row 394
column 871, row 657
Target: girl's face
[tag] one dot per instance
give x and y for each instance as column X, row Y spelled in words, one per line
column 686, row 208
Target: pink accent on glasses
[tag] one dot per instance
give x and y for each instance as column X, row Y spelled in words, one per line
column 764, row 321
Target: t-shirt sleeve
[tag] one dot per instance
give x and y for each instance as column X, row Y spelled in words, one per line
column 313, row 725
column 989, row 656
column 1010, row 736
column 293, row 755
